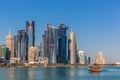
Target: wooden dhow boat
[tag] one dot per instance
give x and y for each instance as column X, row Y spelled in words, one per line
column 94, row 68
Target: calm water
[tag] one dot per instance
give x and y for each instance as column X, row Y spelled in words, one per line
column 74, row 73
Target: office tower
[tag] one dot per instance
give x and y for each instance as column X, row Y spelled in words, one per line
column 10, row 44
column 72, row 48
column 88, row 60
column 31, row 55
column 62, row 44
column 22, row 47
column 100, row 59
column 50, row 42
column 82, row 57
column 30, row 31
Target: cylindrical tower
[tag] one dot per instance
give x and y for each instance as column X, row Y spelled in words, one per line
column 72, row 48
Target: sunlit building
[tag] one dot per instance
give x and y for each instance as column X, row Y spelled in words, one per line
column 49, row 47
column 30, row 31
column 72, row 48
column 100, row 59
column 31, row 55
column 10, row 44
column 82, row 57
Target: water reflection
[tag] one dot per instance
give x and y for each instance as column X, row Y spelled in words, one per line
column 20, row 74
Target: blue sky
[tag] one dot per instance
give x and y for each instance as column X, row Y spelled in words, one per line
column 96, row 23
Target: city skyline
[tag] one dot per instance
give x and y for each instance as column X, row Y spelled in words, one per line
column 95, row 23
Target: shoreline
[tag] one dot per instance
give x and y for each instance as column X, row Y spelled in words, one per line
column 2, row 65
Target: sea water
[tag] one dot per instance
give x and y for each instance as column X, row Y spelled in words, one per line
column 59, row 73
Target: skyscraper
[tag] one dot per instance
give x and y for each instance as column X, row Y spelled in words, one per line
column 100, row 59
column 50, row 42
column 72, row 48
column 82, row 57
column 22, row 46
column 62, row 44
column 30, row 31
column 10, row 44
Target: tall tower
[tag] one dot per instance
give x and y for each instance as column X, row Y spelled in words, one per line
column 50, row 42
column 10, row 44
column 30, row 31
column 21, row 46
column 72, row 49
column 62, row 44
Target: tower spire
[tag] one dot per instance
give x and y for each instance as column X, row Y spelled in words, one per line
column 9, row 31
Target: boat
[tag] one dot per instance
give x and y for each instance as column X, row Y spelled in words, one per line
column 94, row 68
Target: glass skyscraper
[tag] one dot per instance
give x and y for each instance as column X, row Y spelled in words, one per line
column 62, row 44
column 30, row 31
column 22, row 47
column 50, row 43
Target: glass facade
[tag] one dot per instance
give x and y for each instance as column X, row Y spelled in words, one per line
column 22, row 47
column 30, row 31
column 6, row 53
column 50, row 43
column 62, row 44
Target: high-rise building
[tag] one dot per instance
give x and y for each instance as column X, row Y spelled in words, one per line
column 62, row 44
column 22, row 45
column 89, row 60
column 50, row 41
column 31, row 55
column 100, row 59
column 30, row 31
column 5, row 53
column 72, row 48
column 10, row 44
column 82, row 57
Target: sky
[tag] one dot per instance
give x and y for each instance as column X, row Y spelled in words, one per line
column 96, row 23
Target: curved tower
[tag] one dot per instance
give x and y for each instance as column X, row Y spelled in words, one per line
column 72, row 49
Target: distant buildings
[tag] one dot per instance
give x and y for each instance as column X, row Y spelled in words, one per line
column 56, row 47
column 10, row 44
column 72, row 48
column 100, row 59
column 82, row 57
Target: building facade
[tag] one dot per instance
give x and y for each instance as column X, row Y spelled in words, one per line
column 62, row 44
column 30, row 31
column 10, row 44
column 50, row 44
column 72, row 48
column 22, row 45
column 31, row 55
column 100, row 59
column 82, row 57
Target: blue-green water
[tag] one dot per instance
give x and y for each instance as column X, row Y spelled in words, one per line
column 65, row 73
